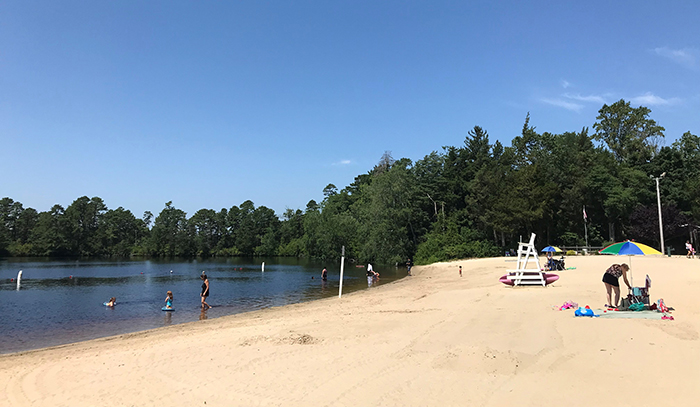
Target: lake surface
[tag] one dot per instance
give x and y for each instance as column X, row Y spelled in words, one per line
column 62, row 301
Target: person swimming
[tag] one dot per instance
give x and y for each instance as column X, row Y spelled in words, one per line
column 112, row 302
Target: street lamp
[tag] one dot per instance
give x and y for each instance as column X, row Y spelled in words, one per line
column 658, row 202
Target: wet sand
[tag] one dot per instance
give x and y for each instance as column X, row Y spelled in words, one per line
column 433, row 339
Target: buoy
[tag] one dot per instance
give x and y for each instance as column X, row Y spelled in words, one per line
column 70, row 276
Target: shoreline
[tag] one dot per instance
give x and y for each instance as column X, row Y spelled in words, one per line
column 35, row 321
column 183, row 325
column 429, row 340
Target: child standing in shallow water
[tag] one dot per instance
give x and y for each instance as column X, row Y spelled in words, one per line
column 169, row 300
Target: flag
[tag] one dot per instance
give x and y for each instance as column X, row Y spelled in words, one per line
column 585, row 217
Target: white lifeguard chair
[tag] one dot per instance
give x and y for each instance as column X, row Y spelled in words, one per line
column 523, row 275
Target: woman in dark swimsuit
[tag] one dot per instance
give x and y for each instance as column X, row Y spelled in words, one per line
column 205, row 291
column 611, row 279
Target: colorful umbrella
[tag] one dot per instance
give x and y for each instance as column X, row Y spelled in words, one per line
column 631, row 249
column 552, row 249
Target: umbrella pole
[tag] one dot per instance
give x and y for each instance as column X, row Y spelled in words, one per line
column 630, row 270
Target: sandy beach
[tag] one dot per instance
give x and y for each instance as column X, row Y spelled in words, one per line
column 433, row 339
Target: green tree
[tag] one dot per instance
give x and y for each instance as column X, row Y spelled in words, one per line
column 390, row 217
column 81, row 222
column 292, row 233
column 170, row 235
column 121, row 231
column 10, row 212
column 208, row 229
column 628, row 132
column 47, row 237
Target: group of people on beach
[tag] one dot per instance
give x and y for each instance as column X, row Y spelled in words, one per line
column 203, row 296
column 610, row 279
column 372, row 276
column 169, row 295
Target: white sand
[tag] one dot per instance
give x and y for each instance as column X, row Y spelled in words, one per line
column 433, row 339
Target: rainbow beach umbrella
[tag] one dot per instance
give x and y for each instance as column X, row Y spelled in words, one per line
column 552, row 249
column 630, row 249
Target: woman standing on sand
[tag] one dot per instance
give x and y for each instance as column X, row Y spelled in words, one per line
column 205, row 291
column 611, row 279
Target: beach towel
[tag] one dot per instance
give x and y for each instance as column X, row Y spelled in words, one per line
column 605, row 314
column 567, row 305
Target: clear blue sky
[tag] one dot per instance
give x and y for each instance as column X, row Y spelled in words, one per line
column 210, row 103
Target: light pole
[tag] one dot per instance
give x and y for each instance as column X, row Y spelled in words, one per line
column 658, row 202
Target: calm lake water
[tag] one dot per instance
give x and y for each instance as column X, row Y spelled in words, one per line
column 62, row 301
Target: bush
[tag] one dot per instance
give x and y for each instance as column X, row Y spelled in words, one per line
column 449, row 245
column 571, row 239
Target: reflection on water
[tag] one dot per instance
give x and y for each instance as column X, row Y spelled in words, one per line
column 61, row 301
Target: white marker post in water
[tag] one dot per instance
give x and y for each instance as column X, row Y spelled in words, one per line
column 19, row 279
column 263, row 267
column 342, row 265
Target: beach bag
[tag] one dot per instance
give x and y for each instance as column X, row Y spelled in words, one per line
column 584, row 312
column 638, row 306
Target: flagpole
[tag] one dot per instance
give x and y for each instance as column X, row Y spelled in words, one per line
column 585, row 225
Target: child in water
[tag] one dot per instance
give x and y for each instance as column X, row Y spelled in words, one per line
column 169, row 300
column 112, row 302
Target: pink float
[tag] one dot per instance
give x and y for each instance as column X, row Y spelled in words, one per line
column 548, row 278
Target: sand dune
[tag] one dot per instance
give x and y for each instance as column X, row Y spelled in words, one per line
column 433, row 339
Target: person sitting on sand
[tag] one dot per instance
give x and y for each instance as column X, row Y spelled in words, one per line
column 112, row 302
column 550, row 262
column 169, row 300
column 611, row 279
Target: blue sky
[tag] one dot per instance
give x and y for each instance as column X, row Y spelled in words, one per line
column 208, row 104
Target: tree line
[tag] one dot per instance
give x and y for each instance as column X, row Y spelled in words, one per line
column 473, row 200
